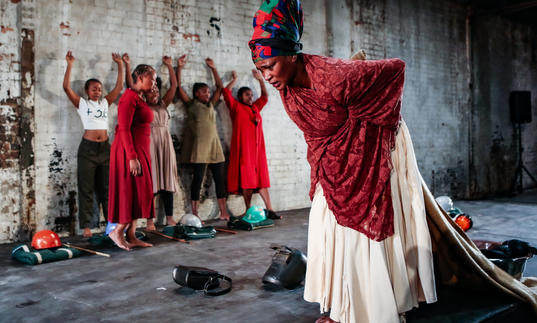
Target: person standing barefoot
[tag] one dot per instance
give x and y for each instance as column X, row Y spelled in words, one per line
column 247, row 169
column 163, row 160
column 201, row 146
column 131, row 187
column 93, row 156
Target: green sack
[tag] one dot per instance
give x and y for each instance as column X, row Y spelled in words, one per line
column 189, row 232
column 31, row 256
column 239, row 223
column 104, row 241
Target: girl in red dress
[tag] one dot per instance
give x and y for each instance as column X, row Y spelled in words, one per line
column 247, row 170
column 131, row 187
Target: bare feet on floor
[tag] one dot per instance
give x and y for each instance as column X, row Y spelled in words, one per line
column 87, row 233
column 171, row 221
column 151, row 225
column 119, row 240
column 135, row 242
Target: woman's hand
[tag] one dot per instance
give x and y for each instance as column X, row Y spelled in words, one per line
column 167, row 60
column 116, row 58
column 70, row 58
column 210, row 63
column 126, row 59
column 233, row 75
column 257, row 75
column 181, row 61
column 135, row 167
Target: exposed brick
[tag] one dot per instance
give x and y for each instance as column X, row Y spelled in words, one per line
column 429, row 35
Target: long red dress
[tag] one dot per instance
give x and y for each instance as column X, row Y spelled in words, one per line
column 131, row 197
column 247, row 158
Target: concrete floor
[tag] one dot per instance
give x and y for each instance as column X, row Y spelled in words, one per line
column 505, row 219
column 137, row 286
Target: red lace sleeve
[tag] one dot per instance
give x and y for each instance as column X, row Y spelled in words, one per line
column 373, row 90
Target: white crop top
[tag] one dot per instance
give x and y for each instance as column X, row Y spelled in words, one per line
column 94, row 115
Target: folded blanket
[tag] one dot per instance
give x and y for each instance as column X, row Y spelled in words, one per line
column 31, row 256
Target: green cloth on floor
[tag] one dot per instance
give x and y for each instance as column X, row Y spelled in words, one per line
column 189, row 232
column 104, row 241
column 31, row 256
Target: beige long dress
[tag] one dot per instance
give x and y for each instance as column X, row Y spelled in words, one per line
column 361, row 280
column 163, row 160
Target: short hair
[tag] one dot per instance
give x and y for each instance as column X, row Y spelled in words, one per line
column 241, row 91
column 88, row 83
column 140, row 70
column 198, row 86
column 159, row 83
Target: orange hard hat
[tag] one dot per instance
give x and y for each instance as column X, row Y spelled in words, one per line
column 464, row 221
column 45, row 239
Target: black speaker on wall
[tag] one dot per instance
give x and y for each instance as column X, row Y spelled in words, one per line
column 520, row 106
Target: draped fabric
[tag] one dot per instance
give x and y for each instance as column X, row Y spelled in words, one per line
column 278, row 27
column 349, row 118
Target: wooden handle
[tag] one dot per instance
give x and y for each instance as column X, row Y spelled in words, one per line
column 167, row 236
column 88, row 250
column 225, row 230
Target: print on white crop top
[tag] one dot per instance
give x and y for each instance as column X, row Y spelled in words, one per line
column 94, row 115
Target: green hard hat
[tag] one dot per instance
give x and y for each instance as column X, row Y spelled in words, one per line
column 254, row 214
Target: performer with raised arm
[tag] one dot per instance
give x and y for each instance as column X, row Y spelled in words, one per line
column 93, row 158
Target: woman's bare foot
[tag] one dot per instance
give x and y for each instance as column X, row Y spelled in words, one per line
column 87, row 233
column 151, row 225
column 224, row 217
column 170, row 221
column 119, row 239
column 135, row 242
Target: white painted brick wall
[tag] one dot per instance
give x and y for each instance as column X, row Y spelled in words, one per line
column 147, row 30
column 429, row 36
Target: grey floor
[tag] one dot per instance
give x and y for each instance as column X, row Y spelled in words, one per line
column 137, row 286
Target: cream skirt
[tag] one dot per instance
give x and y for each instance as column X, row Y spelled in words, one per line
column 362, row 280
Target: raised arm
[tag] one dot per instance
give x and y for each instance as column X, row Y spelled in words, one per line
column 231, row 83
column 257, row 75
column 128, row 75
column 168, row 97
column 217, row 81
column 181, row 62
column 73, row 97
column 261, row 101
column 228, row 97
column 112, row 96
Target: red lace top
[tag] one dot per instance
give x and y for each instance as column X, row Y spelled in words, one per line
column 349, row 118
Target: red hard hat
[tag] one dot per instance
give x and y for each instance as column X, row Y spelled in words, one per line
column 464, row 221
column 45, row 239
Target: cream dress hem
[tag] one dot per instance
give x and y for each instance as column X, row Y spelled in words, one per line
column 361, row 280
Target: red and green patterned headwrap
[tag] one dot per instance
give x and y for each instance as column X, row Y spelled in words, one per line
column 277, row 29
